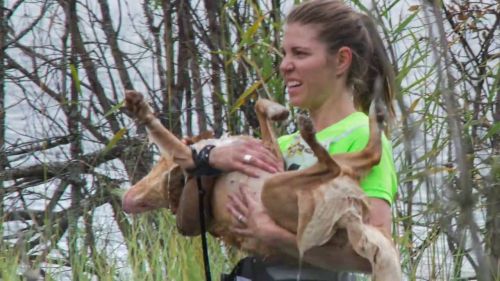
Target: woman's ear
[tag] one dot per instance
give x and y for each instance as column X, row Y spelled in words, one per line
column 343, row 59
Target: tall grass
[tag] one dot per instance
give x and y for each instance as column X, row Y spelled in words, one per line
column 157, row 251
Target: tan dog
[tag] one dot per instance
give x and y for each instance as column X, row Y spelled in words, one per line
column 319, row 204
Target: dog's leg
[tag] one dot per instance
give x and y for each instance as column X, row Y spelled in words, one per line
column 286, row 195
column 168, row 143
column 162, row 186
column 320, row 201
column 370, row 243
column 308, row 133
column 360, row 163
column 316, row 193
column 270, row 111
column 184, row 198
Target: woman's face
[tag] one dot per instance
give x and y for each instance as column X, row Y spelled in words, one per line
column 307, row 67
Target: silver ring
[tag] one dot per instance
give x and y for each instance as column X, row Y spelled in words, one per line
column 247, row 158
column 240, row 218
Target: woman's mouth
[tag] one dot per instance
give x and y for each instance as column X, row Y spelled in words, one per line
column 293, row 85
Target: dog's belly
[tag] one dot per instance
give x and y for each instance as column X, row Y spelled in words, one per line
column 225, row 185
column 230, row 183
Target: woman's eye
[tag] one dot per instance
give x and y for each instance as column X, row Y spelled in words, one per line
column 300, row 53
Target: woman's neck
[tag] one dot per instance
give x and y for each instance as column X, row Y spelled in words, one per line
column 333, row 110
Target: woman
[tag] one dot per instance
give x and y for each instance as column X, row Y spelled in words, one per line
column 332, row 55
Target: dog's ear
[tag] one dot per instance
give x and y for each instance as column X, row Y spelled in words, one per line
column 188, row 215
column 172, row 184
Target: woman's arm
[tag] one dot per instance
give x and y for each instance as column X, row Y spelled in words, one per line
column 255, row 222
column 380, row 215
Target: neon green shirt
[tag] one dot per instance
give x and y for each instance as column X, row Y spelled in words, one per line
column 351, row 134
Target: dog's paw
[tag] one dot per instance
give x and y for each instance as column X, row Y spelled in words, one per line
column 135, row 103
column 306, row 126
column 271, row 110
column 277, row 112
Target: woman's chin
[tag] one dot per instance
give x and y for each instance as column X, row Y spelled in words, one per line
column 296, row 102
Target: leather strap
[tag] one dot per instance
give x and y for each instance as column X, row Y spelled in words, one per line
column 206, row 262
column 201, row 165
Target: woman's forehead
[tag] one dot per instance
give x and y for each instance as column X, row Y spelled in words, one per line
column 298, row 26
column 301, row 34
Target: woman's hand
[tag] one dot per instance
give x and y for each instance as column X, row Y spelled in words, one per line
column 246, row 156
column 253, row 221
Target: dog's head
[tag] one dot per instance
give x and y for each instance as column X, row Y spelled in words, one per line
column 161, row 187
column 153, row 191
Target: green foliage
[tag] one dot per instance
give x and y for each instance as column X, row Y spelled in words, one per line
column 158, row 252
column 9, row 263
column 114, row 140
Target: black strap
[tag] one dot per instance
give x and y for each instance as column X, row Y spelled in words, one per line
column 206, row 262
column 201, row 162
column 251, row 268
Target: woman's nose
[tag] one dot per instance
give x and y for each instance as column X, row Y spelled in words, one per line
column 285, row 65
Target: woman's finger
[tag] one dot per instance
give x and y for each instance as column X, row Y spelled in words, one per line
column 247, row 169
column 252, row 162
column 247, row 156
column 264, row 163
column 237, row 204
column 247, row 199
column 242, row 231
column 237, row 215
column 263, row 158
